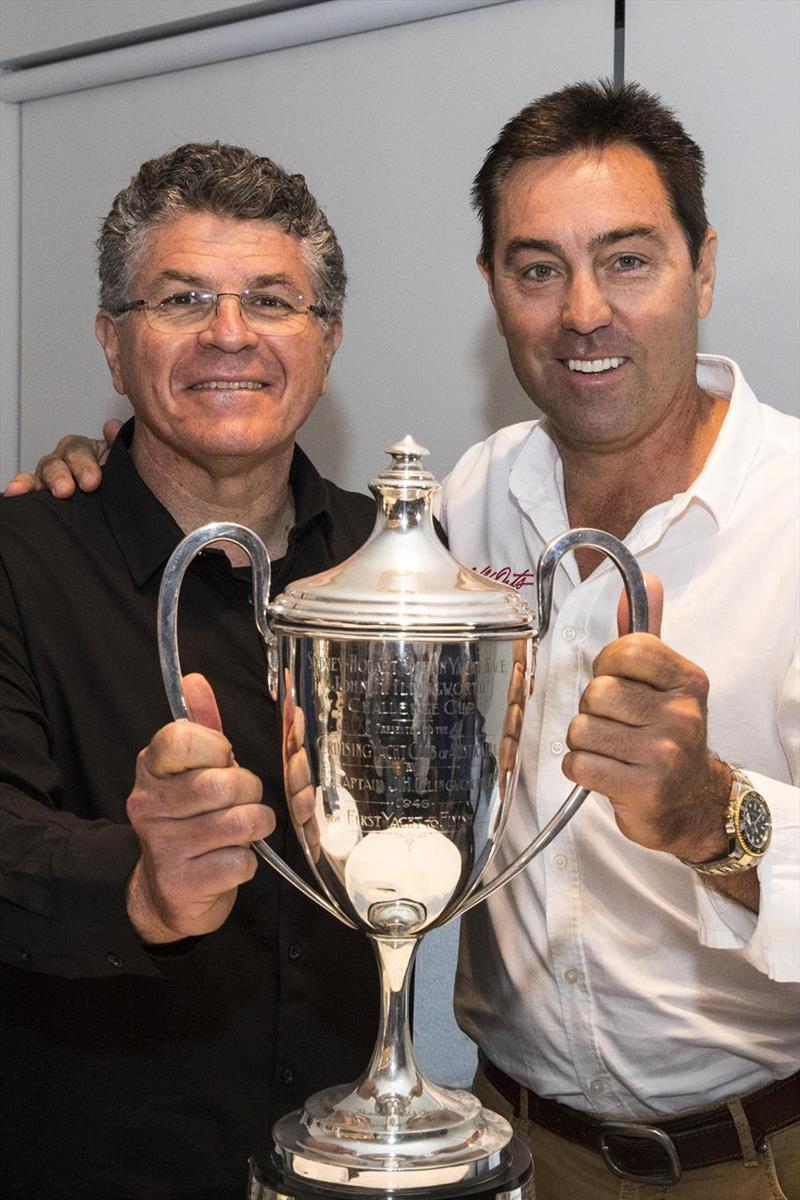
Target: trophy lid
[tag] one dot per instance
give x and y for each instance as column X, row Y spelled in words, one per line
column 403, row 580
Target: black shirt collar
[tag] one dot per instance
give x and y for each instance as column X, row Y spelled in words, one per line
column 147, row 533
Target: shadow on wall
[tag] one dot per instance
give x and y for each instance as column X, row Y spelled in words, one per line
column 344, row 442
column 503, row 401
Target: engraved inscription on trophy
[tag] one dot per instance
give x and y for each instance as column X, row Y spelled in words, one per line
column 403, row 741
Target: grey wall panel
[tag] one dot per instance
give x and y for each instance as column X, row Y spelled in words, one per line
column 31, row 29
column 389, row 128
column 730, row 70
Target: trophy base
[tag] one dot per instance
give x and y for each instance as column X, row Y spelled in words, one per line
column 347, row 1138
column 510, row 1182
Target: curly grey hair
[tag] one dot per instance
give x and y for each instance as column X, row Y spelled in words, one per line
column 228, row 181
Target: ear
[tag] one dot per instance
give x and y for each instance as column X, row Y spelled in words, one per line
column 706, row 273
column 105, row 330
column 331, row 343
column 488, row 276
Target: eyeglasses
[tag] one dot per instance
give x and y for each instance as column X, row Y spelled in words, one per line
column 277, row 309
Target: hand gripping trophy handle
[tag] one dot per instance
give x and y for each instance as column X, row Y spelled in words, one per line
column 254, row 547
column 636, row 593
column 189, row 548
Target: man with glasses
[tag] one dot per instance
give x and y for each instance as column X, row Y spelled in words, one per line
column 162, row 1002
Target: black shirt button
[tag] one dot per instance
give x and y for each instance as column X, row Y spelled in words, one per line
column 114, row 960
column 294, row 952
column 24, row 957
column 287, row 1075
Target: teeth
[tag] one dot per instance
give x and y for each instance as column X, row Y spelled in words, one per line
column 228, row 385
column 592, row 366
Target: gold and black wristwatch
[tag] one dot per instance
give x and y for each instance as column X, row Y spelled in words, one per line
column 749, row 827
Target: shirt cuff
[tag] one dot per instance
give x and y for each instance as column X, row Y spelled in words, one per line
column 769, row 939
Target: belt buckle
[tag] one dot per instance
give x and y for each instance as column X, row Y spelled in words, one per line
column 649, row 1133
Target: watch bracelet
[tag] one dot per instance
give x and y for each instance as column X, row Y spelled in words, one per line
column 738, row 858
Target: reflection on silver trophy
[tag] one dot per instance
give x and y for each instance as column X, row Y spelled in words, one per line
column 402, row 679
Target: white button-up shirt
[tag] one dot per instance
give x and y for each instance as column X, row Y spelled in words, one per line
column 607, row 975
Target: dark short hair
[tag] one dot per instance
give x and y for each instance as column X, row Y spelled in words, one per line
column 589, row 116
column 228, row 181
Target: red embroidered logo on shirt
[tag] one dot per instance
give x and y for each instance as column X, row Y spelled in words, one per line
column 514, row 579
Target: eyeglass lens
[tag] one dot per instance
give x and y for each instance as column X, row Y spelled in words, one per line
column 277, row 309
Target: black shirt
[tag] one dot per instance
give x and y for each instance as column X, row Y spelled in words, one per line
column 123, row 1072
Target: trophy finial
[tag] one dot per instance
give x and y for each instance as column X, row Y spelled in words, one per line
column 407, row 447
column 406, row 470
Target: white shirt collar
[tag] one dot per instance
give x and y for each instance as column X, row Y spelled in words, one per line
column 536, row 479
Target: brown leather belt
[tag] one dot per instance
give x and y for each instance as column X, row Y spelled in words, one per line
column 658, row 1153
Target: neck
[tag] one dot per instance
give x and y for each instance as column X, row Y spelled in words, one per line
column 612, row 488
column 259, row 497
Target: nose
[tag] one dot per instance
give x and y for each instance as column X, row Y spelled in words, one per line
column 228, row 330
column 586, row 307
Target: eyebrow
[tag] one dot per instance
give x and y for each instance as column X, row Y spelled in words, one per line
column 609, row 238
column 627, row 233
column 169, row 275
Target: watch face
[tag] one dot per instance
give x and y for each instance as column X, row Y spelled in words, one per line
column 754, row 824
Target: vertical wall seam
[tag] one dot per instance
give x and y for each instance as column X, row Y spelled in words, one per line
column 619, row 42
column 10, row 318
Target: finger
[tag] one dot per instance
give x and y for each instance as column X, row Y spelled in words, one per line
column 644, row 657
column 111, row 428
column 516, row 685
column 597, row 773
column 297, row 732
column 302, row 805
column 236, row 825
column 617, row 742
column 22, row 483
column 83, row 464
column 201, row 701
column 185, row 746
column 187, row 793
column 73, row 460
column 56, row 476
column 298, row 773
column 655, row 606
column 628, row 701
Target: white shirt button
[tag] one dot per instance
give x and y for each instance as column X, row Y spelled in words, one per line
column 569, row 633
column 557, row 747
column 560, row 860
column 597, row 1087
column 572, row 975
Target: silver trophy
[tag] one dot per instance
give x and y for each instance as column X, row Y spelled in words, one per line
column 402, row 679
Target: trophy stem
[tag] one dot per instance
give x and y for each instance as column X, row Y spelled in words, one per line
column 392, row 1076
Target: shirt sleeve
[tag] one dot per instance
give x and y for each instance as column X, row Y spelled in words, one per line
column 769, row 939
column 62, row 877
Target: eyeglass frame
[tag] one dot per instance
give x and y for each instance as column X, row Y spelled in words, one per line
column 144, row 305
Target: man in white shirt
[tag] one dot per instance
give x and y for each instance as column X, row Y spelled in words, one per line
column 645, row 965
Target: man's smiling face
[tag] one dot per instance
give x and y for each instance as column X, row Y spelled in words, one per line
column 227, row 397
column 596, row 295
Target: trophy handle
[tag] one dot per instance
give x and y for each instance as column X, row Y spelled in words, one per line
column 168, row 596
column 636, row 593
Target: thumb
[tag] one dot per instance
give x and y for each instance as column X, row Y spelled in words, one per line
column 655, row 602
column 110, row 430
column 201, row 701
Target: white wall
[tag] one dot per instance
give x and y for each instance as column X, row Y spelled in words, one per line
column 730, row 70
